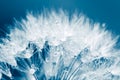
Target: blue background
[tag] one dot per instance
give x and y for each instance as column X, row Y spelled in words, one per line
column 103, row 11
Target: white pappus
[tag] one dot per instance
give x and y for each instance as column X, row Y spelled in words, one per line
column 57, row 47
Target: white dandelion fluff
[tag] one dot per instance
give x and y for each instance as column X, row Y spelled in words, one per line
column 56, row 47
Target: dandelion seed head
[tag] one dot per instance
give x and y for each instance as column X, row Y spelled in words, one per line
column 60, row 48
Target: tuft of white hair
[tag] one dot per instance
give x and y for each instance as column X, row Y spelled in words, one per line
column 67, row 49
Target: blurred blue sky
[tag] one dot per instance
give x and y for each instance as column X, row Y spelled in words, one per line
column 103, row 11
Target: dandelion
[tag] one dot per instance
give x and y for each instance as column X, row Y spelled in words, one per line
column 57, row 47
